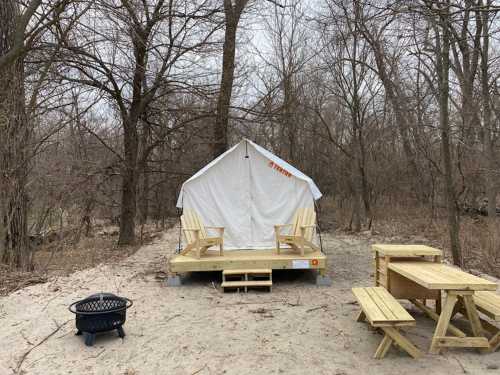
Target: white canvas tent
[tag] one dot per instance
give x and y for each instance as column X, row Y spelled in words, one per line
column 248, row 190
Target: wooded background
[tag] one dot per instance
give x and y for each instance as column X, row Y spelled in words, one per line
column 107, row 106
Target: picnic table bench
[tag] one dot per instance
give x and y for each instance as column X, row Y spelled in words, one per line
column 488, row 303
column 382, row 311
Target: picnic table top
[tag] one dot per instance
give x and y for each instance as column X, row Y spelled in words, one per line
column 439, row 276
column 405, row 250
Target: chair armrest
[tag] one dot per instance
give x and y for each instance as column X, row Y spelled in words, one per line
column 220, row 229
column 192, row 229
column 282, row 225
column 277, row 228
column 308, row 226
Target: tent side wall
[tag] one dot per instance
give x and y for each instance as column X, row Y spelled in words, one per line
column 275, row 196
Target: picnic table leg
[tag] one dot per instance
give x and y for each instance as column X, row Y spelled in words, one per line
column 438, row 303
column 433, row 315
column 402, row 341
column 384, row 346
column 437, row 259
column 361, row 316
column 444, row 321
column 473, row 316
column 495, row 342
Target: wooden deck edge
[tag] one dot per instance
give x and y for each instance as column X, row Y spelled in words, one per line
column 250, row 260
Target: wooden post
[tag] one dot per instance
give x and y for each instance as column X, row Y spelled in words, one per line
column 444, row 320
column 386, row 270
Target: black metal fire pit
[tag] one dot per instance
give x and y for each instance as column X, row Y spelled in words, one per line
column 100, row 313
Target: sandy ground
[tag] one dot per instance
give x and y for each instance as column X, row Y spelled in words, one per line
column 299, row 328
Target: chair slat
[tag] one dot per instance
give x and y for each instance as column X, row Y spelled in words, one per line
column 188, row 235
column 309, row 219
column 297, row 220
column 199, row 224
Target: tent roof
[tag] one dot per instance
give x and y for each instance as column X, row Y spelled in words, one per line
column 280, row 162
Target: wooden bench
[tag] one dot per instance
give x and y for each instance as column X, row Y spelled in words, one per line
column 488, row 303
column 382, row 311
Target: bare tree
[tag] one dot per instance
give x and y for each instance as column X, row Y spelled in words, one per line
column 144, row 47
column 439, row 19
column 21, row 27
column 232, row 14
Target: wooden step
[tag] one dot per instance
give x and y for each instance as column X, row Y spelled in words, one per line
column 247, row 278
column 241, row 284
column 247, row 271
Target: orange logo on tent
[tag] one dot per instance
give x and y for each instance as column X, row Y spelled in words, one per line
column 314, row 262
column 283, row 171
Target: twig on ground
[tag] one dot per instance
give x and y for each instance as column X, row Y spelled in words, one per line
column 172, row 317
column 250, row 303
column 317, row 308
column 98, row 354
column 461, row 365
column 25, row 355
column 50, row 300
column 24, row 337
column 200, row 370
column 262, row 310
column 294, row 304
column 37, row 279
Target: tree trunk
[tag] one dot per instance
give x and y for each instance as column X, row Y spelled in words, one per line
column 129, row 185
column 144, row 172
column 130, row 119
column 360, row 183
column 443, row 65
column 232, row 14
column 357, row 195
column 14, row 153
column 489, row 142
column 289, row 124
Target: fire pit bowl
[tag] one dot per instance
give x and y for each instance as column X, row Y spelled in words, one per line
column 100, row 313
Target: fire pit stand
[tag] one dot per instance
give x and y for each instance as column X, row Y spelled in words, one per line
column 100, row 313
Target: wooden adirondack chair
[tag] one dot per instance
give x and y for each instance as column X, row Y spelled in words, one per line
column 196, row 235
column 301, row 233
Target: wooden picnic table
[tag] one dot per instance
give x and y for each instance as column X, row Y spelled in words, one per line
column 458, row 286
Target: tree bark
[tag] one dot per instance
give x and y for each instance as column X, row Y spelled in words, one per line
column 14, row 153
column 443, row 70
column 489, row 142
column 130, row 120
column 232, row 14
column 145, row 142
column 129, row 185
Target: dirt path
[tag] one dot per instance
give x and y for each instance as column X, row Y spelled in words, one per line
column 195, row 329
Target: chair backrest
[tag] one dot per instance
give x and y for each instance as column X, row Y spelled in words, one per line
column 191, row 220
column 304, row 216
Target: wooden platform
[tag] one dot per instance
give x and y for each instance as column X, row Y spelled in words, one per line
column 247, row 259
